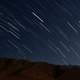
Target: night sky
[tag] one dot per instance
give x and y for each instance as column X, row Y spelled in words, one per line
column 41, row 30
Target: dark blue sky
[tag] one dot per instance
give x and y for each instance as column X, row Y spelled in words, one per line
column 40, row 30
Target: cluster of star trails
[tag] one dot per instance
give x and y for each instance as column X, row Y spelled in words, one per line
column 39, row 29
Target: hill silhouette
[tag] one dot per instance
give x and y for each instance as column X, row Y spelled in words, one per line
column 13, row 69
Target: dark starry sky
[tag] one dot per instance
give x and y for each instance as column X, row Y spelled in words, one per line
column 41, row 30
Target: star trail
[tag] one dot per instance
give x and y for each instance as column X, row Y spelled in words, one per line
column 41, row 30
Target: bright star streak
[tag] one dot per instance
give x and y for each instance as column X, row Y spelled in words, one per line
column 37, row 17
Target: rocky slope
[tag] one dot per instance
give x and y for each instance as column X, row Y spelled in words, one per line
column 11, row 69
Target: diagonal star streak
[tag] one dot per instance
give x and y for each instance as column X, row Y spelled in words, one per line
column 37, row 17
